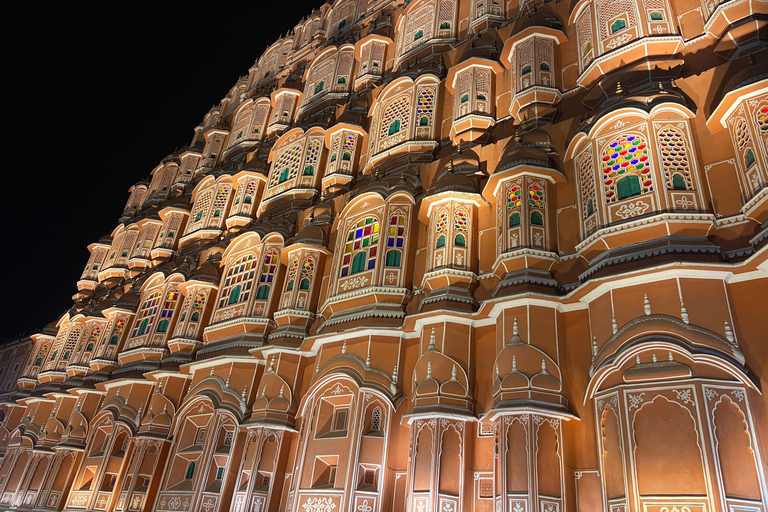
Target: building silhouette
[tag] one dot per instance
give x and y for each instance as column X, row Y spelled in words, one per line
column 431, row 256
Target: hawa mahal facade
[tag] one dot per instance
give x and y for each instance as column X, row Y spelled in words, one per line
column 431, row 256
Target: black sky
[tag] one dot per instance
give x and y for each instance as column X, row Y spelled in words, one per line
column 95, row 95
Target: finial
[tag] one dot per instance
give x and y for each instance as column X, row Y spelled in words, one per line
column 271, row 368
column 517, row 136
column 450, row 165
column 138, row 414
column 750, row 59
column 282, row 389
column 514, row 327
column 402, row 175
column 646, row 305
column 673, row 84
column 661, row 88
column 165, row 406
column 497, row 369
column 317, row 367
column 514, row 363
column 729, row 333
column 638, row 359
column 117, row 393
column 654, row 357
column 619, row 90
column 245, row 392
column 524, row 124
column 670, row 357
column 344, row 347
column 683, row 312
column 432, row 347
column 543, row 366
column 368, row 357
column 264, row 390
column 229, row 376
column 614, row 326
column 394, row 374
column 453, row 373
column 429, row 370
column 594, row 348
column 212, row 368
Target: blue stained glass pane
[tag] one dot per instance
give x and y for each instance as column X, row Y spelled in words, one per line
column 371, row 264
column 391, row 242
column 359, row 233
column 632, row 149
column 631, row 138
column 616, row 167
column 614, row 144
column 269, row 279
column 400, row 243
column 634, row 161
column 614, row 156
column 344, row 272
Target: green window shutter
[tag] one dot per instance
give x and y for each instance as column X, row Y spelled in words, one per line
column 358, row 262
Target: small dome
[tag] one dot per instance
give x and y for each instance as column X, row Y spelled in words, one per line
column 530, row 148
column 208, row 272
column 311, row 234
column 481, row 46
column 451, row 181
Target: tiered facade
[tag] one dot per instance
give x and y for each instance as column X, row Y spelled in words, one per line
column 431, row 256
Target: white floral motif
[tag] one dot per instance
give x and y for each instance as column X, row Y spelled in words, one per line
column 615, row 43
column 738, row 394
column 391, row 277
column 684, row 395
column 364, row 507
column 635, row 400
column 518, row 507
column 711, row 393
column 318, row 505
column 684, row 203
column 459, row 259
column 632, row 209
column 355, row 282
column 537, row 239
column 448, row 507
column 174, row 503
column 208, row 505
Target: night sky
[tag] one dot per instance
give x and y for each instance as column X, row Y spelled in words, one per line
column 95, row 96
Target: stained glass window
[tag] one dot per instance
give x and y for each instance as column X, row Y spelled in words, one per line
column 460, row 221
column 292, row 271
column 269, row 267
column 587, row 183
column 363, row 237
column 442, row 223
column 396, row 114
column 425, row 105
column 674, row 157
column 170, row 304
column 396, row 236
column 626, row 155
column 119, row 327
column 146, row 314
column 762, row 119
column 238, row 281
column 197, row 306
column 307, row 271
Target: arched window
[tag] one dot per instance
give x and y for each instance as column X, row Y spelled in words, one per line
column 234, row 296
column 146, row 314
column 628, row 187
column 514, row 219
column 238, row 281
column 465, row 98
column 292, row 271
column 170, row 304
column 309, row 170
column 396, row 238
column 319, row 86
column 460, row 240
column 376, row 420
column 657, row 16
column 440, row 242
column 537, row 219
column 544, row 66
column 749, row 158
column 197, row 306
column 526, row 69
column 678, row 182
column 346, row 156
column 263, row 292
column 199, row 216
column 626, row 155
column 162, row 326
column 268, row 271
column 307, row 271
column 364, row 237
column 358, row 262
column 393, row 258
